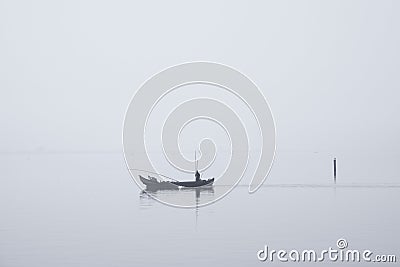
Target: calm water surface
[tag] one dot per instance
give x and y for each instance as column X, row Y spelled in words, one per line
column 84, row 210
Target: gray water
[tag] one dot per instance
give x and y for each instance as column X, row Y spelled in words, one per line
column 84, row 210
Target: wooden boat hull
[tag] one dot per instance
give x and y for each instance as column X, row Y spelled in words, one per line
column 155, row 184
column 191, row 184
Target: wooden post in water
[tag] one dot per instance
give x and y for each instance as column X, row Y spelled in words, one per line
column 334, row 170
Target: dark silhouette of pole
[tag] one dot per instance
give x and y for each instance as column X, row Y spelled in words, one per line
column 334, row 170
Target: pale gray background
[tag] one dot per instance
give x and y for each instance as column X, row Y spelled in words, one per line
column 328, row 68
column 68, row 69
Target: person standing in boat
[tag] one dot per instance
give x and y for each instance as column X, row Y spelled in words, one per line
column 196, row 174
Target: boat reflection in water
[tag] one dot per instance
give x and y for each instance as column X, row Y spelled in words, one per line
column 177, row 190
column 150, row 196
column 170, row 193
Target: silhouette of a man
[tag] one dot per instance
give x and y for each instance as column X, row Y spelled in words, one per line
column 197, row 175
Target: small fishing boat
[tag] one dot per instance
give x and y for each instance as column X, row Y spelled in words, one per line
column 153, row 183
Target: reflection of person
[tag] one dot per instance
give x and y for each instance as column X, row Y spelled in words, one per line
column 197, row 175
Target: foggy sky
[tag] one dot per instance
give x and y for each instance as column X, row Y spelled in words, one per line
column 329, row 69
